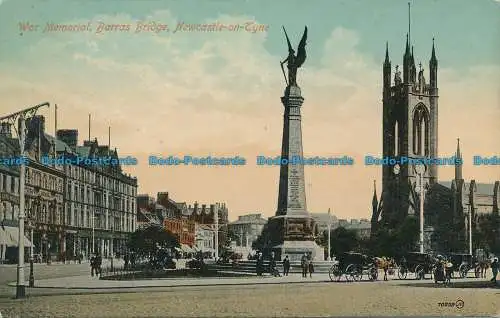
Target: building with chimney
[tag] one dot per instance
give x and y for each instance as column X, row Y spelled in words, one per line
column 73, row 209
column 100, row 200
column 44, row 194
column 9, row 196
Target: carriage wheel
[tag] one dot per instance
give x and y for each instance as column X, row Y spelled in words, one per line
column 419, row 272
column 477, row 271
column 463, row 270
column 334, row 273
column 402, row 272
column 353, row 273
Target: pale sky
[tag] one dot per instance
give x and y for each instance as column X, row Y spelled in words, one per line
column 218, row 93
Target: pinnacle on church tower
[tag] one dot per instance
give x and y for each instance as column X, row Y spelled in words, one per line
column 458, row 165
column 374, row 200
column 387, row 61
column 433, row 55
column 387, row 69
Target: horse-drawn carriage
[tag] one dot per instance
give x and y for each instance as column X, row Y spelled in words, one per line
column 353, row 266
column 463, row 263
column 419, row 264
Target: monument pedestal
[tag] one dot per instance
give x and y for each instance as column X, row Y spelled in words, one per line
column 296, row 249
column 294, row 236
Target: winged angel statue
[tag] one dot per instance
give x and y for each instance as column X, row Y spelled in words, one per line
column 294, row 61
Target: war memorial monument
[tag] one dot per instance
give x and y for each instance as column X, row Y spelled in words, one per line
column 292, row 230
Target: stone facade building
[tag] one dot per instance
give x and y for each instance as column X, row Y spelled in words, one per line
column 323, row 220
column 246, row 229
column 74, row 208
column 99, row 199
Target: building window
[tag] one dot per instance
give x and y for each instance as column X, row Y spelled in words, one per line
column 421, row 130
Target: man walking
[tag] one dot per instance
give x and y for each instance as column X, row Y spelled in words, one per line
column 286, row 266
column 92, row 265
column 494, row 269
column 310, row 265
column 304, row 264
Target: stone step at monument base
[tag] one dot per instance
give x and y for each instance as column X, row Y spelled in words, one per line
column 251, row 267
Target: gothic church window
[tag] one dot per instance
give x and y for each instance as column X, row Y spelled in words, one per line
column 421, row 131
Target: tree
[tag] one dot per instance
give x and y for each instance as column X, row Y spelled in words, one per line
column 148, row 241
column 231, row 237
column 486, row 235
column 343, row 240
column 406, row 236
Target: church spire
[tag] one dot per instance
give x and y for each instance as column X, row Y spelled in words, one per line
column 458, row 162
column 406, row 62
column 433, row 66
column 433, row 55
column 387, row 70
column 374, row 200
column 387, row 61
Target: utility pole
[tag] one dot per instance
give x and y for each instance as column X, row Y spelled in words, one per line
column 216, row 216
column 329, row 233
column 420, row 169
column 470, row 229
column 21, row 133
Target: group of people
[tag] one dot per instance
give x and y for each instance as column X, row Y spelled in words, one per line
column 305, row 262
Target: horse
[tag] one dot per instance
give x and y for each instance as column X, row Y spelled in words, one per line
column 484, row 266
column 387, row 264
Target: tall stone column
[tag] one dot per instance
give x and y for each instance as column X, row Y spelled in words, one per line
column 291, row 230
column 292, row 193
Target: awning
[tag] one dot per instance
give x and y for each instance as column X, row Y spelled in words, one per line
column 186, row 249
column 10, row 236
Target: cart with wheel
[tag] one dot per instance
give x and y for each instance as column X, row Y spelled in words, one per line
column 352, row 267
column 463, row 263
column 418, row 264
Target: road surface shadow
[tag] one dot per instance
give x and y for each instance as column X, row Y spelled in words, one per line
column 471, row 284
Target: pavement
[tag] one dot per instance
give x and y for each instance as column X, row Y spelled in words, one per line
column 307, row 298
column 89, row 282
column 74, row 293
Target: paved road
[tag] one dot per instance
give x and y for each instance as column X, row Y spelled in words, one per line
column 265, row 300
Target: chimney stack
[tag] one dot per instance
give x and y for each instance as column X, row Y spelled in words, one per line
column 6, row 130
column 68, row 136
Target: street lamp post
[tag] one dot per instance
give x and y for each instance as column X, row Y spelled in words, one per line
column 329, row 233
column 470, row 230
column 420, row 171
column 93, row 230
column 32, row 274
column 216, row 217
column 21, row 132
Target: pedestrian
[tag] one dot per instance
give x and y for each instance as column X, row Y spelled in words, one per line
column 98, row 263
column 304, row 264
column 286, row 266
column 259, row 264
column 494, row 269
column 310, row 265
column 126, row 259
column 92, row 265
column 385, row 266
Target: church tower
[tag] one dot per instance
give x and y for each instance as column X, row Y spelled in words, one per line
column 410, row 129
